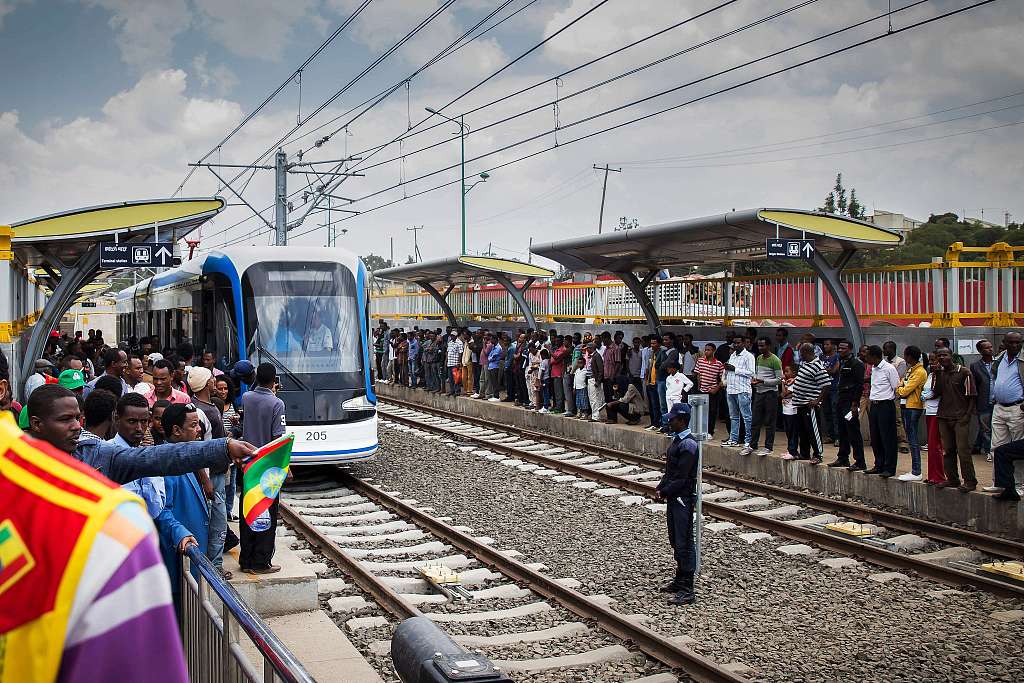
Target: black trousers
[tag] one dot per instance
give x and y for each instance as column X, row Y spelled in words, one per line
column 1005, row 457
column 850, row 438
column 810, row 433
column 522, row 395
column 379, row 358
column 255, row 549
column 882, row 420
column 763, row 416
column 680, row 533
column 510, row 385
column 617, row 409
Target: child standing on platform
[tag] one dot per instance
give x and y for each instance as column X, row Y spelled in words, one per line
column 579, row 385
column 789, row 410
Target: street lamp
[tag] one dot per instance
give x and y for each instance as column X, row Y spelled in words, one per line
column 461, row 123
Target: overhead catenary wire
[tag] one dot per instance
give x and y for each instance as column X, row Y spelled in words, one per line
column 631, row 72
column 696, row 81
column 462, row 41
column 284, row 84
column 833, row 132
column 644, row 117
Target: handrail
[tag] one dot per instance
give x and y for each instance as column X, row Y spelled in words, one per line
column 275, row 653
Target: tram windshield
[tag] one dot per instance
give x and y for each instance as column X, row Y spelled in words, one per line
column 304, row 318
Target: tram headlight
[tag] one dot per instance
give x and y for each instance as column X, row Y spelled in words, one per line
column 358, row 403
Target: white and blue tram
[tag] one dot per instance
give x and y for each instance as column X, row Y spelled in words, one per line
column 304, row 309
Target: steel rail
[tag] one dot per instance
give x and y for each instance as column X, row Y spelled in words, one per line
column 834, row 542
column 993, row 545
column 382, row 593
column 649, row 641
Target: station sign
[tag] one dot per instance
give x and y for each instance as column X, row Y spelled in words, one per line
column 137, row 255
column 789, row 248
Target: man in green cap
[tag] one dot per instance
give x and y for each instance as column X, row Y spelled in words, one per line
column 73, row 380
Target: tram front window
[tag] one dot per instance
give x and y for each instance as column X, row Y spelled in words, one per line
column 304, row 318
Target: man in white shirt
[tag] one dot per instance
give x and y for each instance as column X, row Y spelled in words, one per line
column 739, row 370
column 882, row 416
column 319, row 337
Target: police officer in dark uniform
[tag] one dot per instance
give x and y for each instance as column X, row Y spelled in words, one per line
column 678, row 488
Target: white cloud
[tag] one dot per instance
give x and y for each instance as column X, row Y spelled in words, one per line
column 146, row 29
column 257, row 28
column 219, row 78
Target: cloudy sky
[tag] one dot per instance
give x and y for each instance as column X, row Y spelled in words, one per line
column 109, row 100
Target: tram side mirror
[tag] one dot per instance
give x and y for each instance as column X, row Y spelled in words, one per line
column 699, row 416
column 423, row 653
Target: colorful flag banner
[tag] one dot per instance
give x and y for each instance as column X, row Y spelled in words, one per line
column 263, row 476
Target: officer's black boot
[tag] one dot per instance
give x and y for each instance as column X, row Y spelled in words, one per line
column 685, row 596
column 675, row 585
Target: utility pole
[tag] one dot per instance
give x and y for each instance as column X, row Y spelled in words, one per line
column 281, row 198
column 415, row 242
column 392, row 251
column 604, row 190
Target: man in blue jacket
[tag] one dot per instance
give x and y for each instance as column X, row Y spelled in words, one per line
column 678, row 488
column 184, row 499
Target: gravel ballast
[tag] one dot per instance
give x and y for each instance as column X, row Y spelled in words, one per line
column 789, row 618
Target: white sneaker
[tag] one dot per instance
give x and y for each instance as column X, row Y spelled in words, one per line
column 988, row 457
column 729, row 442
column 475, row 396
column 494, row 399
column 991, row 489
column 910, row 476
column 746, row 450
column 762, row 451
column 545, row 411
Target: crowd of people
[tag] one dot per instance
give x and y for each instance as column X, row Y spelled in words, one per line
column 173, row 433
column 814, row 391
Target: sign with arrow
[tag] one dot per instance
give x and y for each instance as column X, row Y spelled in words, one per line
column 789, row 248
column 137, row 255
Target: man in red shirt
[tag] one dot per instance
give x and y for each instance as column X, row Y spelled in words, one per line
column 709, row 371
column 162, row 386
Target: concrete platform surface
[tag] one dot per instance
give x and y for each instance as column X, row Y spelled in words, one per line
column 320, row 646
column 293, row 589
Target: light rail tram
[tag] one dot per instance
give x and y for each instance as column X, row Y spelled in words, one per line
column 304, row 309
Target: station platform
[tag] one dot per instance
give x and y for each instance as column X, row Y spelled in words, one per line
column 976, row 510
column 288, row 603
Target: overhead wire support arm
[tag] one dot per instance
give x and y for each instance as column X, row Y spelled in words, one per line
column 240, row 197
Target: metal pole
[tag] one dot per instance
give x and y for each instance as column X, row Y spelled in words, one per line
column 462, row 142
column 281, row 198
column 604, row 190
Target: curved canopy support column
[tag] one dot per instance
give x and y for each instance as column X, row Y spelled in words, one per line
column 829, row 275
column 441, row 299
column 71, row 281
column 518, row 295
column 638, row 288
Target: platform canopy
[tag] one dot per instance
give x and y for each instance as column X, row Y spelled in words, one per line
column 447, row 273
column 723, row 238
column 65, row 246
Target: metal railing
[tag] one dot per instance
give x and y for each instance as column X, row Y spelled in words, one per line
column 947, row 292
column 212, row 616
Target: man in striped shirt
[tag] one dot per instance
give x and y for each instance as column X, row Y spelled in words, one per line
column 709, row 371
column 812, row 382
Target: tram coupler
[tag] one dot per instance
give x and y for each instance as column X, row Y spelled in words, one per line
column 423, row 653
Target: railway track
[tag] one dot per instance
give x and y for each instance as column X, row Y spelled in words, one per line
column 635, row 474
column 342, row 519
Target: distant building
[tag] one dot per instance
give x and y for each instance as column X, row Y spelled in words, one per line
column 893, row 221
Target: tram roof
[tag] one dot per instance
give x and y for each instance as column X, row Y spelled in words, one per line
column 735, row 236
column 462, row 270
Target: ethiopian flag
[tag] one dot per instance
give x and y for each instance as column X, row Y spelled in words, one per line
column 263, row 476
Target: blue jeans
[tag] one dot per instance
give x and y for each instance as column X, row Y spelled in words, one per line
column 662, row 400
column 413, row 369
column 653, row 405
column 218, row 522
column 912, row 418
column 739, row 406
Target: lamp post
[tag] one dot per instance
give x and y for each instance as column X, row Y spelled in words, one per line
column 461, row 123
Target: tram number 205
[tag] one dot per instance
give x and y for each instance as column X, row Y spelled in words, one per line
column 316, row 436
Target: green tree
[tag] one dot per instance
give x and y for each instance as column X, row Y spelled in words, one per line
column 830, row 204
column 374, row 262
column 855, row 210
column 840, row 193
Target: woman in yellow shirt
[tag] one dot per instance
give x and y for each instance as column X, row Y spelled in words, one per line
column 909, row 394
